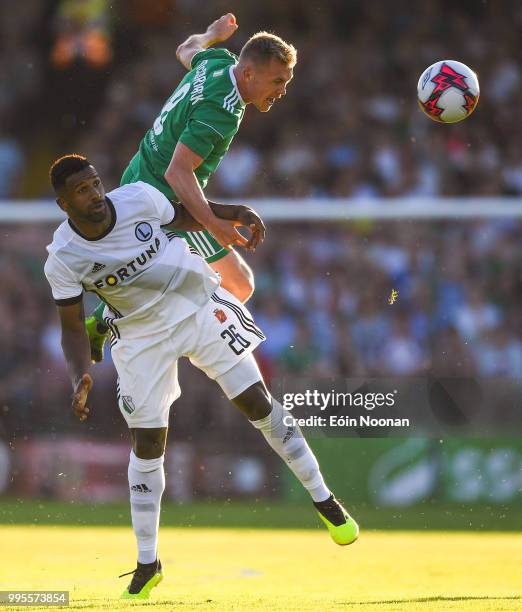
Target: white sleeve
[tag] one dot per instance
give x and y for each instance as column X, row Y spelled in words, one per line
column 66, row 289
column 161, row 203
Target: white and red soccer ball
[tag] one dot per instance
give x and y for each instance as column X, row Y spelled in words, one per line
column 448, row 91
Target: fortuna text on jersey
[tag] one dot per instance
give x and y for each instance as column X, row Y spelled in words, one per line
column 122, row 273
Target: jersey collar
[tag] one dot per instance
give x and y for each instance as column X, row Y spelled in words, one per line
column 107, row 231
column 234, row 83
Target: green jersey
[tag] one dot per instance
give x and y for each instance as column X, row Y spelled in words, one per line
column 203, row 113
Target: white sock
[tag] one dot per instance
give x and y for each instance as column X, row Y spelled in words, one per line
column 289, row 443
column 146, row 485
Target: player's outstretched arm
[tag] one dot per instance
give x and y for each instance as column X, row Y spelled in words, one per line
column 180, row 176
column 218, row 31
column 75, row 346
column 237, row 215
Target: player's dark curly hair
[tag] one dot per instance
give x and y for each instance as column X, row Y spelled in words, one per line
column 63, row 167
column 263, row 46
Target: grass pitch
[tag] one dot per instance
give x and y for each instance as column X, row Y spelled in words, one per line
column 243, row 569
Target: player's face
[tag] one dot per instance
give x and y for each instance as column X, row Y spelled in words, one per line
column 83, row 197
column 268, row 83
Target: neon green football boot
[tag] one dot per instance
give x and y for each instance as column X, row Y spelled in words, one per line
column 146, row 577
column 343, row 529
column 97, row 338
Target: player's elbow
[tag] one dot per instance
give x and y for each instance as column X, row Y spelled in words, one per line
column 182, row 55
column 172, row 175
column 169, row 173
column 178, row 174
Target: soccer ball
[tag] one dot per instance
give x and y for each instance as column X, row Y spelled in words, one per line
column 448, row 91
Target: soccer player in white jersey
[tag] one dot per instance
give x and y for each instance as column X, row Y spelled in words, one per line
column 162, row 302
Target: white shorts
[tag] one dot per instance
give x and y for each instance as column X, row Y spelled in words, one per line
column 215, row 338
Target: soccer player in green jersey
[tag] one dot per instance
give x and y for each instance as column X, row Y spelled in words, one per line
column 193, row 132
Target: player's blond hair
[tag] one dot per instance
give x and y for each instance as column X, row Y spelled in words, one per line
column 263, row 46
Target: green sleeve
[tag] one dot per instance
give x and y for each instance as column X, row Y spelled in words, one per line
column 208, row 125
column 212, row 54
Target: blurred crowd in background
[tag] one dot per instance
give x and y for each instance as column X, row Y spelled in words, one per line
column 322, row 299
column 91, row 75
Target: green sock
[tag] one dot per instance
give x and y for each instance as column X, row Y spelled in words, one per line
column 98, row 313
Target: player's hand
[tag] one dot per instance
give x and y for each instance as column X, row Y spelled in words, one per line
column 226, row 233
column 241, row 216
column 222, row 29
column 247, row 217
column 79, row 398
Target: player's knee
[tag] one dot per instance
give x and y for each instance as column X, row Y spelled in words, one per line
column 236, row 276
column 149, row 443
column 255, row 402
column 245, row 286
column 240, row 284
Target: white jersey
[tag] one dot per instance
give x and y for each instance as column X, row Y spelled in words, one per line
column 148, row 279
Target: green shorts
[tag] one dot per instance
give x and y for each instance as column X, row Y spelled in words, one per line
column 205, row 244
